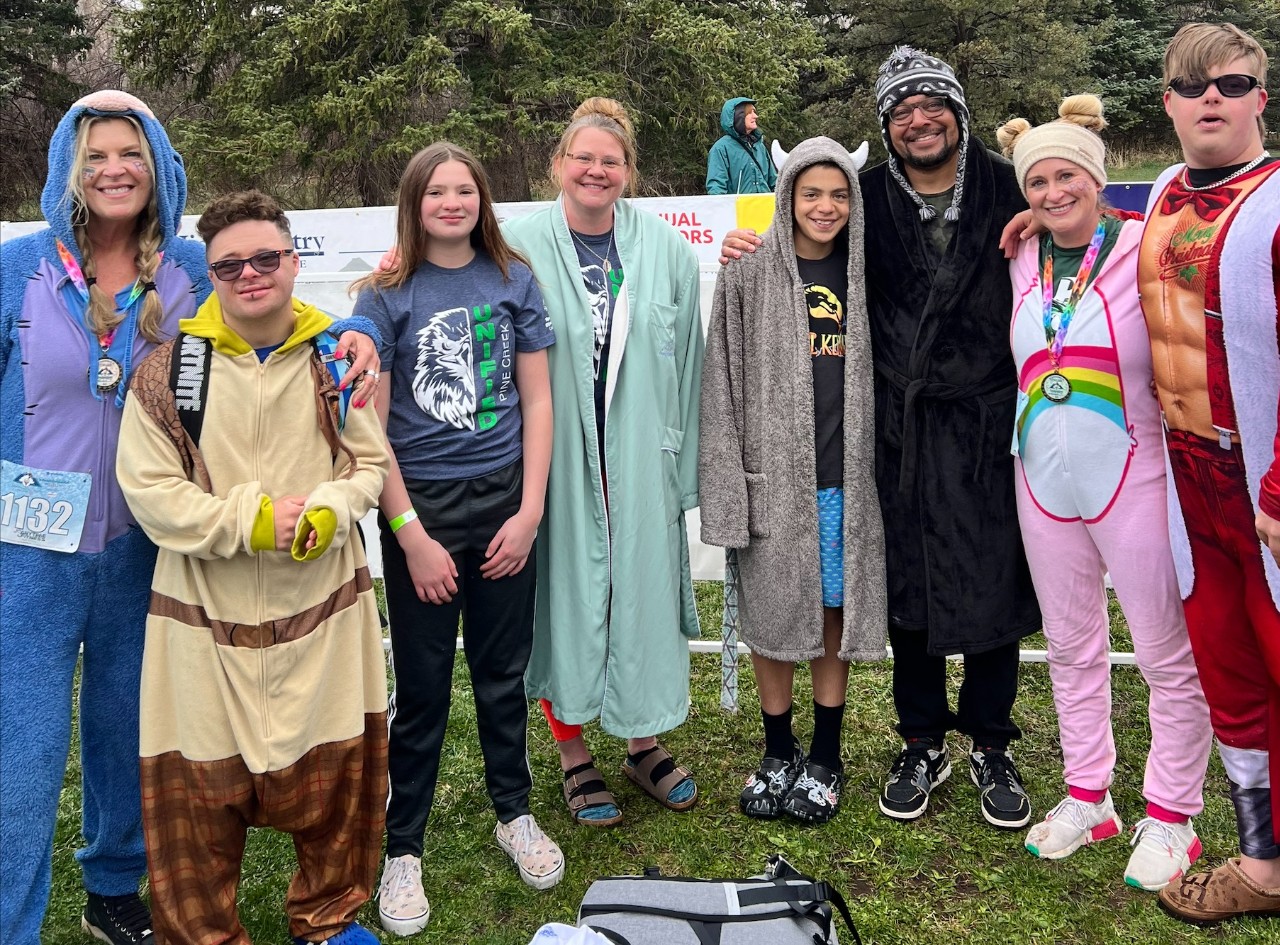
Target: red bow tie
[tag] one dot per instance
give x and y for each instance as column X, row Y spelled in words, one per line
column 1208, row 205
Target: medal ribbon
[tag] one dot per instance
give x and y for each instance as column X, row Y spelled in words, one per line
column 1055, row 339
column 115, row 344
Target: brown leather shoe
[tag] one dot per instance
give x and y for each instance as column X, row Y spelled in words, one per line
column 1224, row 893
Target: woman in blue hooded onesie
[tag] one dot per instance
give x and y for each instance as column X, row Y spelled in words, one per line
column 81, row 304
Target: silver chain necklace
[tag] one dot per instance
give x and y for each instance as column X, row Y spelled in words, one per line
column 1186, row 180
column 604, row 260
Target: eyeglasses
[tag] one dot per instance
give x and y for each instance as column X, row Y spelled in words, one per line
column 228, row 270
column 585, row 160
column 930, row 107
column 1232, row 85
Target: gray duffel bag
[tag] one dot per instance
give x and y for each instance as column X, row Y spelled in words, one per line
column 782, row 907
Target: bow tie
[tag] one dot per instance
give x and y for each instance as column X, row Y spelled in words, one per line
column 1208, row 205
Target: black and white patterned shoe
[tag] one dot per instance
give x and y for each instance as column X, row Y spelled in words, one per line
column 815, row 797
column 764, row 791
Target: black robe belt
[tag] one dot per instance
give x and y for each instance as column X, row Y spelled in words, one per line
column 913, row 388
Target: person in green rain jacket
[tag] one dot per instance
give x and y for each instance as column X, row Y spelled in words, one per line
column 739, row 162
column 614, row 596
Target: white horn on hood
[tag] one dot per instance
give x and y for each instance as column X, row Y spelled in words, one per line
column 779, row 156
column 859, row 156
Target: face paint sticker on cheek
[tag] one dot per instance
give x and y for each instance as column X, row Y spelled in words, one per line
column 1078, row 187
column 140, row 167
column 89, row 173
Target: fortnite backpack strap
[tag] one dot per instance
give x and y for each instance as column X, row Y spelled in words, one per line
column 189, row 381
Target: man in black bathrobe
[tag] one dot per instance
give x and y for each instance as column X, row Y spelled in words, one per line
column 939, row 298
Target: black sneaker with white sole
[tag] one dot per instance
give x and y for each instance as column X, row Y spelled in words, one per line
column 120, row 920
column 1004, row 800
column 919, row 768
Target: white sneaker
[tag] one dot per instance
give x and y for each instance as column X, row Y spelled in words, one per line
column 402, row 904
column 536, row 855
column 1072, row 825
column 1161, row 853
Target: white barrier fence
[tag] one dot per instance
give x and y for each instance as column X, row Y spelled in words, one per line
column 337, row 246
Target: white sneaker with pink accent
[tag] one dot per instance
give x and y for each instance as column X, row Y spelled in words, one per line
column 1072, row 825
column 1162, row 852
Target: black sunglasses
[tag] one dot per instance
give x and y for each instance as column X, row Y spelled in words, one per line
column 228, row 270
column 1233, row 85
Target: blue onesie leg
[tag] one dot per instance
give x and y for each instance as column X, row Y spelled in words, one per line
column 43, row 601
column 113, row 858
column 46, row 602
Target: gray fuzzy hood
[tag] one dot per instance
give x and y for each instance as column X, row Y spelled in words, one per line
column 811, row 151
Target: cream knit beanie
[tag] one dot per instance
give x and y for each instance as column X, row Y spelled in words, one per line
column 1073, row 137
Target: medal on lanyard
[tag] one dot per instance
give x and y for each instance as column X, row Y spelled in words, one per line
column 1055, row 385
column 106, row 372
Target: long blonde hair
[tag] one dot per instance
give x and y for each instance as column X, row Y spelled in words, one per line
column 101, row 315
column 607, row 115
column 412, row 240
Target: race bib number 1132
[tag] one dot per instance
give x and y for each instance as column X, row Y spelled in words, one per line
column 42, row 508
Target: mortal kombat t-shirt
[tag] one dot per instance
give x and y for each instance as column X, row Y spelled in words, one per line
column 826, row 289
column 450, row 338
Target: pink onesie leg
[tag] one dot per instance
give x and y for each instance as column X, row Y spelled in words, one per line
column 1133, row 539
column 1067, row 572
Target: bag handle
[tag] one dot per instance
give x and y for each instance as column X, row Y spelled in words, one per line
column 812, row 892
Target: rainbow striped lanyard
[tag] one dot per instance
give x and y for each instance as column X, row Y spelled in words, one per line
column 115, row 345
column 1055, row 338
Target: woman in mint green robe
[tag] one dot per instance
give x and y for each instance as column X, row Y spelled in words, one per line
column 615, row 601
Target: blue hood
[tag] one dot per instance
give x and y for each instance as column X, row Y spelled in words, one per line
column 171, row 177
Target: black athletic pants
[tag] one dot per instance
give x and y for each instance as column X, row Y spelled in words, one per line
column 984, row 708
column 497, row 631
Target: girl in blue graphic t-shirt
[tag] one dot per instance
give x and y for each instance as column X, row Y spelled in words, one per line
column 468, row 418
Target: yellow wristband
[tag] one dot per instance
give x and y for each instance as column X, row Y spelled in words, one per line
column 400, row 521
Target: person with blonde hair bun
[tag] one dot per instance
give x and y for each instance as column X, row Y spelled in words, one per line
column 1091, row 499
column 615, row 600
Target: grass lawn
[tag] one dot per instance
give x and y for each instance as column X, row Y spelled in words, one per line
column 946, row 878
column 1143, row 171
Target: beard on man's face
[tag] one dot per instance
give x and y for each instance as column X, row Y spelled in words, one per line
column 927, row 162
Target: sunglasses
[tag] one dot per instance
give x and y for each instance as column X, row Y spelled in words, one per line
column 1233, row 85
column 228, row 270
column 931, row 107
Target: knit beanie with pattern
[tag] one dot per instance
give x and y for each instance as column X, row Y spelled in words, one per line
column 908, row 72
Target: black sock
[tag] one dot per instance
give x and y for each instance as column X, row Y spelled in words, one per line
column 827, row 722
column 778, row 740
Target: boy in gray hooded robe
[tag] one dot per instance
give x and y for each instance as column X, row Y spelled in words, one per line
column 787, row 468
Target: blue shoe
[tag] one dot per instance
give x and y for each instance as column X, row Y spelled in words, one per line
column 353, row 934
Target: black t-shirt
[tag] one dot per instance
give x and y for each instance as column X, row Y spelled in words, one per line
column 826, row 289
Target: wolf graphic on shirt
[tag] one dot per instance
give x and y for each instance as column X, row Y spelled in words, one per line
column 597, row 286
column 444, row 384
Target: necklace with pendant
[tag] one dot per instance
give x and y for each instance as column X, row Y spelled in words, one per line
column 604, row 260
